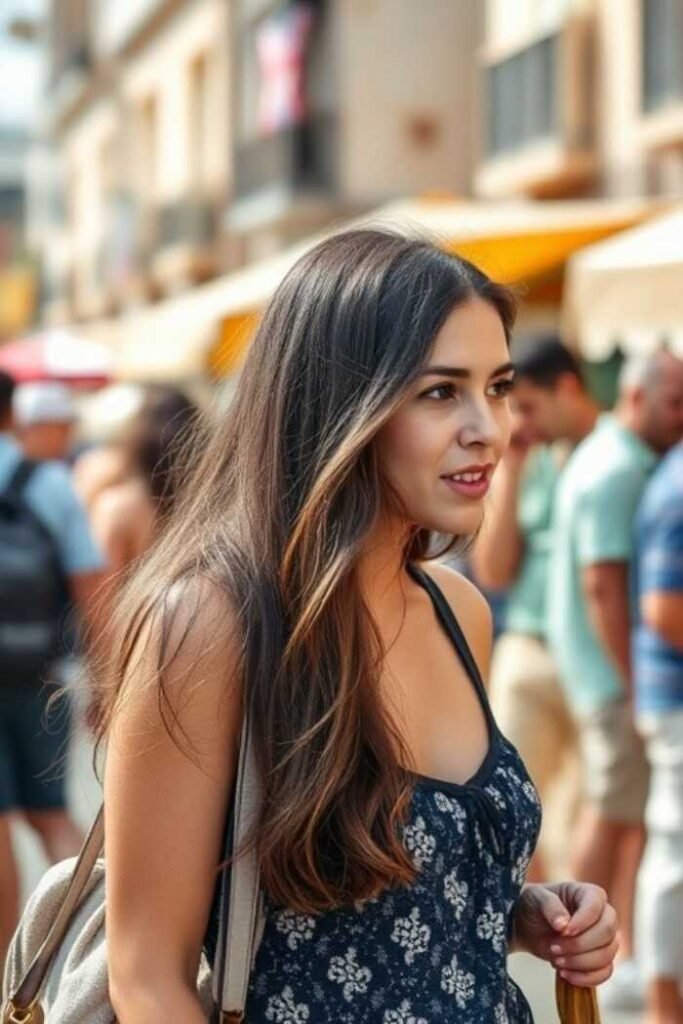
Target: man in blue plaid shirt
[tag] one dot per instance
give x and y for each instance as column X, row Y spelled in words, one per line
column 658, row 680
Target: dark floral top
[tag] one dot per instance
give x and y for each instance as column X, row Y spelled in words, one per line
column 432, row 952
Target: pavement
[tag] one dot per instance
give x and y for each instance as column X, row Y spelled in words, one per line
column 535, row 977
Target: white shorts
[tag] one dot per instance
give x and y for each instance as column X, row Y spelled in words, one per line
column 660, row 884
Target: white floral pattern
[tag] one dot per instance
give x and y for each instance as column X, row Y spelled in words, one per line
column 297, row 927
column 284, row 1010
column 402, row 1015
column 491, row 926
column 458, row 983
column 456, row 893
column 444, row 803
column 411, row 934
column 419, row 842
column 346, row 971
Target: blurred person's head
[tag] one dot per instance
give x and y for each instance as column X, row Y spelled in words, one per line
column 44, row 419
column 651, row 398
column 154, row 437
column 7, row 388
column 550, row 400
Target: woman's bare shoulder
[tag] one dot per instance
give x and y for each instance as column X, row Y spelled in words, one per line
column 190, row 644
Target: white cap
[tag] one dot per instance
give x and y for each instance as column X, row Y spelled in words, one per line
column 42, row 402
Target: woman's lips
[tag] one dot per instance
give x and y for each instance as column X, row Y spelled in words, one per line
column 475, row 486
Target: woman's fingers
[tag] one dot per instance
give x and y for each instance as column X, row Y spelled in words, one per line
column 600, row 934
column 594, row 960
column 590, row 902
column 588, row 979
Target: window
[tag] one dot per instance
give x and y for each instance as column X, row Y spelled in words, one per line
column 148, row 148
column 662, row 52
column 522, row 100
column 199, row 121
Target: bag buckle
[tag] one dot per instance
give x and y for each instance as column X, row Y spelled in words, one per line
column 32, row 1014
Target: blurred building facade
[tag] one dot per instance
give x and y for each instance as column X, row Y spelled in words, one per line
column 186, row 140
column 195, row 136
column 582, row 98
column 21, row 70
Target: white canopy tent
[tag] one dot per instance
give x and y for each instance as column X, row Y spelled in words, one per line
column 628, row 291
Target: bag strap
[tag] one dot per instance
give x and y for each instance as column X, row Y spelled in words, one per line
column 20, row 477
column 31, row 984
column 241, row 916
column 240, row 902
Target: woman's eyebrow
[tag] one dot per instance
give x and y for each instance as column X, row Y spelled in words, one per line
column 461, row 372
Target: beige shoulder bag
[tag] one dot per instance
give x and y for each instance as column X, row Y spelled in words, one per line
column 56, row 970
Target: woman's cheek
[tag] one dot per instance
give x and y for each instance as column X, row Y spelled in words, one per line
column 505, row 427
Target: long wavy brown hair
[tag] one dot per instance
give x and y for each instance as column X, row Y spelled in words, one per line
column 282, row 491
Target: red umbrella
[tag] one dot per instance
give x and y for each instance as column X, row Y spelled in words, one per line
column 57, row 355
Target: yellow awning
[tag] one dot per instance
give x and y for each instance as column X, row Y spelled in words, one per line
column 519, row 242
column 516, row 242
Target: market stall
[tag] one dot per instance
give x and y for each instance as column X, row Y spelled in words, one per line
column 627, row 293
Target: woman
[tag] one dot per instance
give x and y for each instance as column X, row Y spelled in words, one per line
column 293, row 581
column 126, row 513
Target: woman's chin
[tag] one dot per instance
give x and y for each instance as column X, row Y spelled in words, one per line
column 464, row 524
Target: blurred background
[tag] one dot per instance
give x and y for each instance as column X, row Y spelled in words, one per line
column 163, row 161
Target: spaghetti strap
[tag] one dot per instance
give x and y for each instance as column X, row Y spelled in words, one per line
column 453, row 628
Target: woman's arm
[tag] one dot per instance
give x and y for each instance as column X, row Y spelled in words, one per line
column 165, row 808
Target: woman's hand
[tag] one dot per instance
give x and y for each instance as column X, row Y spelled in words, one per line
column 572, row 925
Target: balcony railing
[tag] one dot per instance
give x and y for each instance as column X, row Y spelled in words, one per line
column 300, row 158
column 662, row 53
column 522, row 97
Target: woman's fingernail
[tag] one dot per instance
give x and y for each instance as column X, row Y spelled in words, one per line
column 563, row 974
column 560, row 961
column 556, row 949
column 560, row 922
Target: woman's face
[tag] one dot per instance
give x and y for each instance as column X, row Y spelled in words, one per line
column 440, row 449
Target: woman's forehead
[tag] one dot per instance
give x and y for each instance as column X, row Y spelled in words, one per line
column 472, row 337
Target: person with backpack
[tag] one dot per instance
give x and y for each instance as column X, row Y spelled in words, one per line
column 48, row 561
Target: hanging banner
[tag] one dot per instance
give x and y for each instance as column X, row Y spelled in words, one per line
column 281, row 44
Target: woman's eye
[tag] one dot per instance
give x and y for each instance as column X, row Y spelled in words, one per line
column 442, row 392
column 502, row 388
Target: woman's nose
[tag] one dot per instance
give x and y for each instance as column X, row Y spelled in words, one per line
column 481, row 428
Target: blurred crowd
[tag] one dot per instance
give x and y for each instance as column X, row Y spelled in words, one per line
column 584, row 535
column 74, row 519
column 581, row 549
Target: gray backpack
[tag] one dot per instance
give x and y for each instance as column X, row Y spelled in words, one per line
column 56, row 969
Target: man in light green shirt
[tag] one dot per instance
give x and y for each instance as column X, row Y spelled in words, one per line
column 512, row 552
column 595, row 510
column 526, row 600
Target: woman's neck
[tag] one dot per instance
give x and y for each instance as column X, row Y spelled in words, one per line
column 381, row 568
